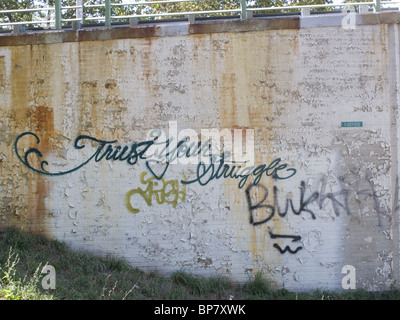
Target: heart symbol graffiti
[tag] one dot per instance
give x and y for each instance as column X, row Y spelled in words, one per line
column 161, row 167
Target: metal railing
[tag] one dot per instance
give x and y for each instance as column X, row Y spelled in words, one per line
column 55, row 14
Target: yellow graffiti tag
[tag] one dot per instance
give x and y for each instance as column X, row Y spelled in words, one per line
column 162, row 195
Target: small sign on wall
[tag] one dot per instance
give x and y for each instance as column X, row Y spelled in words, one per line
column 352, row 124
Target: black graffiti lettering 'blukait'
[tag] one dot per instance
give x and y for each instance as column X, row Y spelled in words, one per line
column 252, row 207
column 303, row 203
column 340, row 200
column 272, row 209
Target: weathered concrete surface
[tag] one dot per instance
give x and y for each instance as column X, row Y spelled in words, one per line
column 332, row 201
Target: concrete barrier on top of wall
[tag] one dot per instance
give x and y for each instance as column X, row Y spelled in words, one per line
column 107, row 144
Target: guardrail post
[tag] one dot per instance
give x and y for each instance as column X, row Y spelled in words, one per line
column 191, row 18
column 243, row 8
column 18, row 29
column 58, row 16
column 305, row 12
column 108, row 13
column 377, row 5
column 363, row 8
column 133, row 22
column 79, row 15
column 79, row 11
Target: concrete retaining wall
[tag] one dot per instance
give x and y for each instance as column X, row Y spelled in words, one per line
column 310, row 105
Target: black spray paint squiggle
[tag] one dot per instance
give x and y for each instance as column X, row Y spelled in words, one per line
column 287, row 248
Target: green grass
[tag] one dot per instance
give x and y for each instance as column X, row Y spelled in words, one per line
column 81, row 276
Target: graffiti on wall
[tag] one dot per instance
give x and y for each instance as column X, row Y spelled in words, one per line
column 287, row 248
column 352, row 194
column 212, row 166
column 217, row 168
column 168, row 192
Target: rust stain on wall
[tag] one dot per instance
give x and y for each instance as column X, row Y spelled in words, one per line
column 239, row 110
column 26, row 116
column 39, row 187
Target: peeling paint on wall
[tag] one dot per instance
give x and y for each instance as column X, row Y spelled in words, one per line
column 77, row 125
